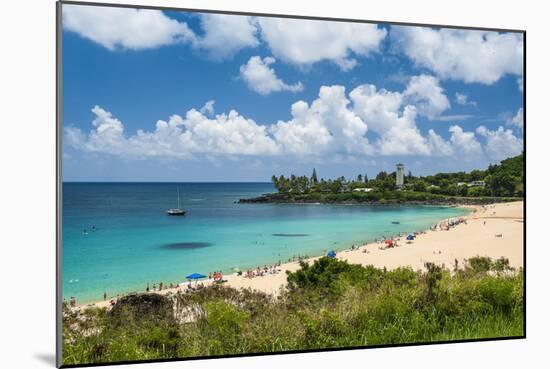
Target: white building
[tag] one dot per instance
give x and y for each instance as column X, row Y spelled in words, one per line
column 476, row 184
column 399, row 175
column 362, row 189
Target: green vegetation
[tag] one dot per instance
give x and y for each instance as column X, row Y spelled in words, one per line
column 327, row 304
column 502, row 182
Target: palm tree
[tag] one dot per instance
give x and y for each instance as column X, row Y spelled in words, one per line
column 275, row 182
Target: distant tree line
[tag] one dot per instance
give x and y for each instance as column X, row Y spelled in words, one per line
column 500, row 180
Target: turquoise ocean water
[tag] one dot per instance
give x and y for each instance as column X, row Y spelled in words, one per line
column 117, row 236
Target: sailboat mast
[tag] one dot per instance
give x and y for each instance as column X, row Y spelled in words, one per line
column 178, row 197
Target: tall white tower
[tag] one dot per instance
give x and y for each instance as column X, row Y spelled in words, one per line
column 399, row 175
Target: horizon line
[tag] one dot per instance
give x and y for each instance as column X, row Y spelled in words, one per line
column 166, row 181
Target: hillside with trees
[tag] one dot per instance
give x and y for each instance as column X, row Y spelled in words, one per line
column 499, row 182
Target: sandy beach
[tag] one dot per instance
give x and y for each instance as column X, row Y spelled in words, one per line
column 493, row 230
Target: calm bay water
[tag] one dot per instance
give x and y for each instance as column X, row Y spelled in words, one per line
column 117, row 236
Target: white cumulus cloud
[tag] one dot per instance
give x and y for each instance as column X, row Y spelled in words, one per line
column 392, row 115
column 427, row 95
column 327, row 126
column 467, row 55
column 225, row 35
column 465, row 144
column 178, row 137
column 304, row 42
column 463, row 99
column 334, row 126
column 208, row 107
column 501, row 143
column 261, row 78
column 395, row 125
column 123, row 28
column 438, row 146
column 226, row 134
column 517, row 120
column 520, row 83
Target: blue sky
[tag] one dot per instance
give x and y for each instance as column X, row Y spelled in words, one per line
column 174, row 96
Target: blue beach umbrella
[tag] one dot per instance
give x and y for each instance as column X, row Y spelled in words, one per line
column 410, row 237
column 195, row 276
column 331, row 254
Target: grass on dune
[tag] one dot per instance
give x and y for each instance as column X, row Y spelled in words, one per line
column 327, row 304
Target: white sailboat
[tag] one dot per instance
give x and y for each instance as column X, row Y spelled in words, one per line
column 176, row 211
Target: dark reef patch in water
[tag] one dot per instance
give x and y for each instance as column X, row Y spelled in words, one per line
column 185, row 245
column 290, row 234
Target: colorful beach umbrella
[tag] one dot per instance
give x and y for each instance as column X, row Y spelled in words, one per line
column 195, row 276
column 331, row 254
